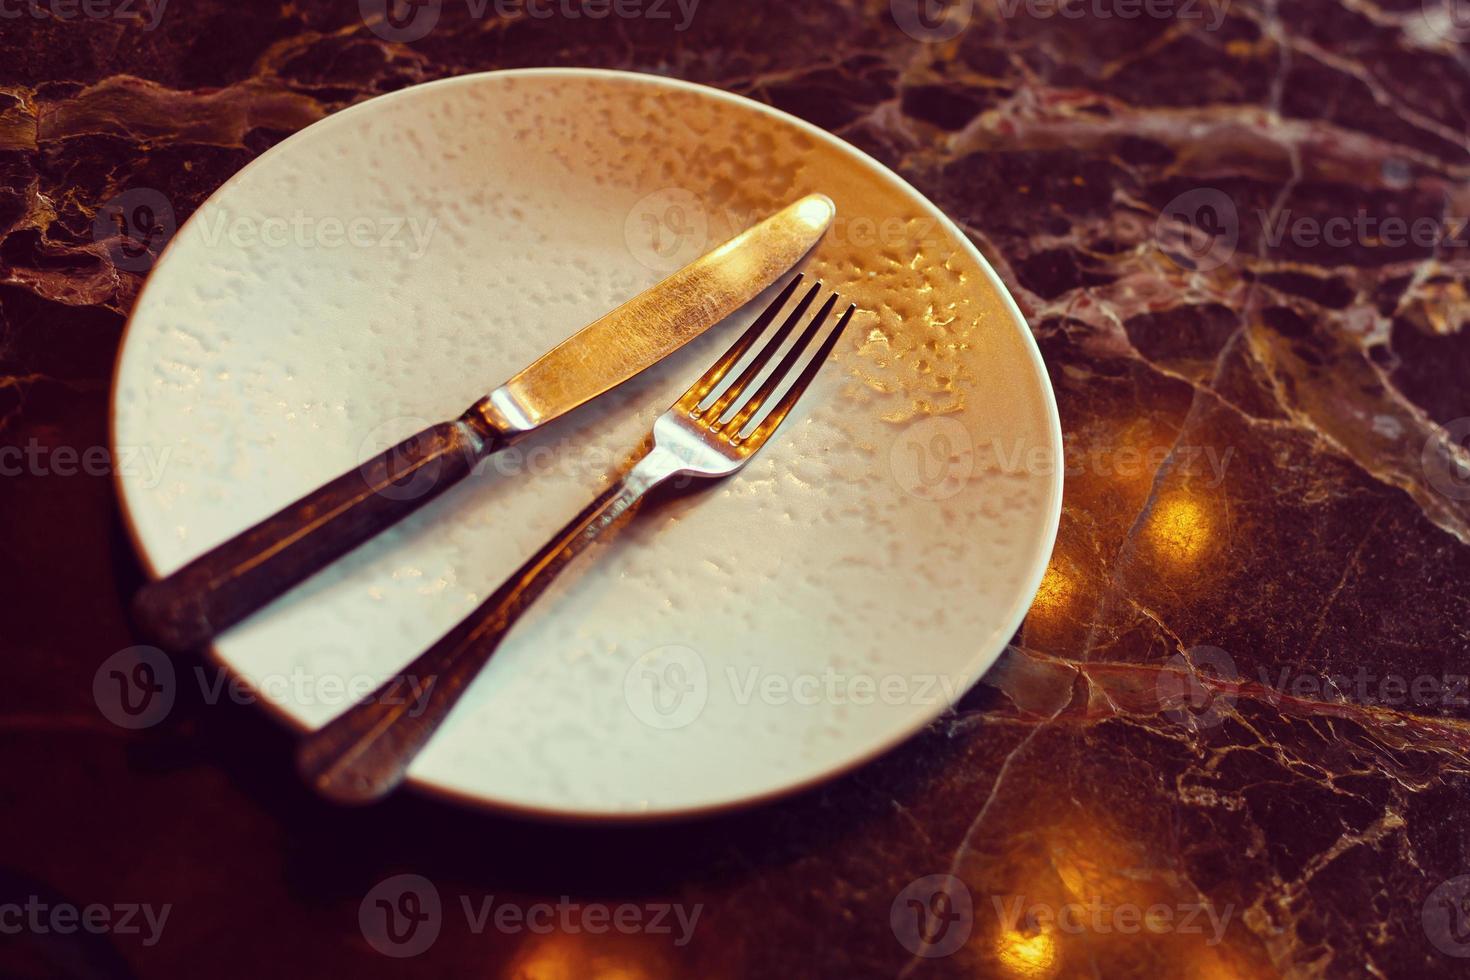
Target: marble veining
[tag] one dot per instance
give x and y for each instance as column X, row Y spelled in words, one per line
column 1264, row 547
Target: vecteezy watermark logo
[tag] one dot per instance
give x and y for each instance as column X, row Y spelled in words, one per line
column 1446, row 917
column 406, row 21
column 1362, row 229
column 1212, row 12
column 401, row 916
column 1199, row 229
column 135, row 225
column 1446, row 459
column 932, row 916
column 668, row 229
column 1449, row 19
column 833, row 687
column 401, row 21
column 406, row 234
column 1205, row 465
column 932, row 21
column 144, row 464
column 1099, row 917
column 135, row 688
column 149, row 13
column 667, row 687
column 933, row 458
column 1368, row 688
column 41, row 918
column 1185, row 695
column 401, row 459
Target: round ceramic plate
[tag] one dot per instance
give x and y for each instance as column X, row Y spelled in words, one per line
column 389, row 265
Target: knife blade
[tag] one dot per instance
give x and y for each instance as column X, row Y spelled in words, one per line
column 657, row 321
column 188, row 608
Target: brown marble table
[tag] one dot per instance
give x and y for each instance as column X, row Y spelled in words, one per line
column 1229, row 741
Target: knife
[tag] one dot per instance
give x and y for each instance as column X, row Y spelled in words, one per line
column 188, row 608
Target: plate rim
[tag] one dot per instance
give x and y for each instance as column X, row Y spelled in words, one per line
column 968, row 678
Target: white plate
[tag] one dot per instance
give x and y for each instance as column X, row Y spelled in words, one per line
column 732, row 644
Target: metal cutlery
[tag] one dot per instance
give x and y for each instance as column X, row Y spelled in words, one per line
column 709, row 433
column 191, row 606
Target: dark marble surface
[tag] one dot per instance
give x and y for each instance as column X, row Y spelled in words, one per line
column 1231, row 739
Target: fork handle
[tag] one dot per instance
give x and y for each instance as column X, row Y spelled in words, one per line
column 187, row 609
column 363, row 755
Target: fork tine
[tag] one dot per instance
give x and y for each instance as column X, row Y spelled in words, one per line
column 697, row 391
column 768, row 424
column 782, row 370
column 761, row 358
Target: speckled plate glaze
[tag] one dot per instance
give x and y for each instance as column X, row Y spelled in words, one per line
column 389, row 265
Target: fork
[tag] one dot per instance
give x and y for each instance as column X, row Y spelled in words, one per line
column 364, row 754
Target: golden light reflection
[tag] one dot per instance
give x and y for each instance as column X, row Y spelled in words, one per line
column 1088, row 895
column 544, row 961
column 561, row 956
column 1027, row 954
column 817, row 210
column 1180, row 529
column 1056, row 591
column 1211, row 964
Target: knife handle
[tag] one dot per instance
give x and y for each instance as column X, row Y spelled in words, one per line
column 187, row 609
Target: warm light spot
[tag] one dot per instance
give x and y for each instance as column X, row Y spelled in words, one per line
column 1211, row 964
column 1055, row 593
column 816, row 210
column 1180, row 529
column 1027, row 954
column 560, row 956
column 549, row 959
